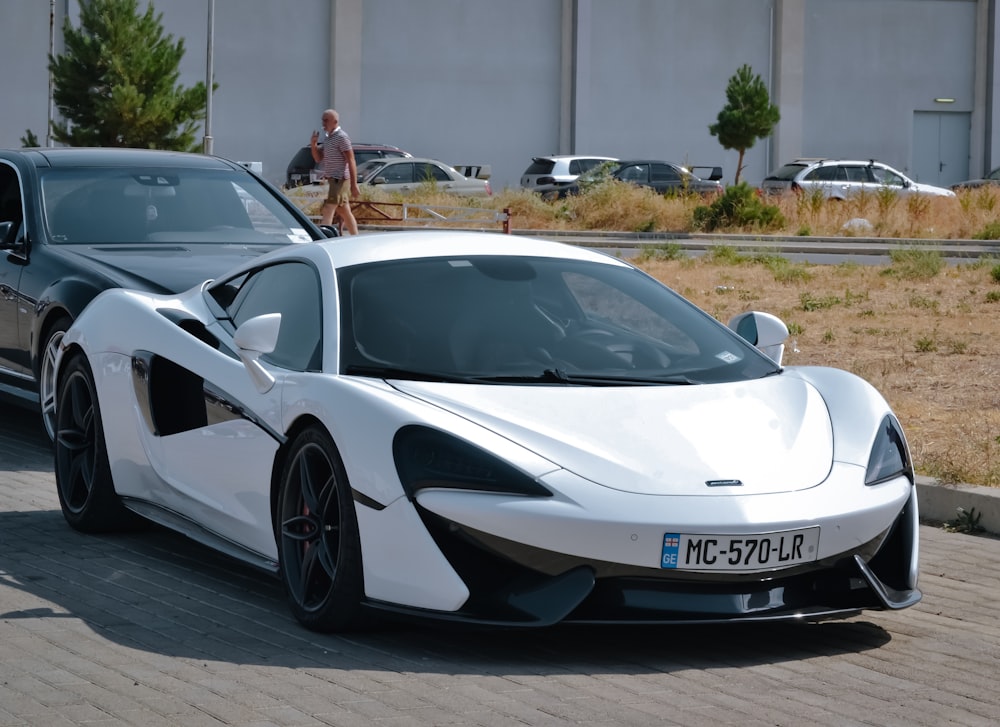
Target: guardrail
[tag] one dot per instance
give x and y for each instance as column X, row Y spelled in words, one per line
column 406, row 213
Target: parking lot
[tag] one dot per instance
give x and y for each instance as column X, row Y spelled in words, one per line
column 150, row 629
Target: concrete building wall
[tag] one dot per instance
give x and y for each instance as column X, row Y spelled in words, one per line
column 870, row 65
column 477, row 81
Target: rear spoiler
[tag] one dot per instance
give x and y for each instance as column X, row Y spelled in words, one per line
column 714, row 174
column 474, row 171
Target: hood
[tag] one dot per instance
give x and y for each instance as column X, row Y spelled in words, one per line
column 931, row 190
column 160, row 268
column 768, row 435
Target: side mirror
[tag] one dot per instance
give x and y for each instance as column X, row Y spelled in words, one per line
column 716, row 174
column 6, row 231
column 378, row 180
column 254, row 337
column 330, row 230
column 765, row 331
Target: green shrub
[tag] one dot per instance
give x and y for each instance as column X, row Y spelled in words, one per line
column 990, row 232
column 737, row 207
column 914, row 263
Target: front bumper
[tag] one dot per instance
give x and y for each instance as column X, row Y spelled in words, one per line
column 513, row 584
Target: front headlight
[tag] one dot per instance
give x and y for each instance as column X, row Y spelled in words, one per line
column 890, row 456
column 427, row 458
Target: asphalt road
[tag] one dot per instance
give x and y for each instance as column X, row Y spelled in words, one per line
column 150, row 629
column 815, row 250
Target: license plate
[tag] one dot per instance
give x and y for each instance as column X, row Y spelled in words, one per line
column 739, row 552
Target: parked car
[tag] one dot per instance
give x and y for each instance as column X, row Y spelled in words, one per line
column 409, row 174
column 551, row 173
column 659, row 175
column 76, row 221
column 843, row 178
column 302, row 169
column 993, row 178
column 487, row 429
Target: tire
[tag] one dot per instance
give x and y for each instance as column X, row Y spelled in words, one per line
column 83, row 475
column 47, row 373
column 319, row 548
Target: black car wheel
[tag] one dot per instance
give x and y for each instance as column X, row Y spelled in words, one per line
column 83, row 475
column 319, row 549
column 47, row 373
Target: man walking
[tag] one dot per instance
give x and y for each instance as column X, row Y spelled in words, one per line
column 340, row 168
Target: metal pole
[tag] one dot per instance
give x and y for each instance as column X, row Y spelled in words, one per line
column 208, row 78
column 52, row 48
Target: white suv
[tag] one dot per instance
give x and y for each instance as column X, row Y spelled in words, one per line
column 842, row 178
column 554, row 172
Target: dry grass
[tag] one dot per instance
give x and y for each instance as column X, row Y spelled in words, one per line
column 927, row 341
column 624, row 207
column 925, row 334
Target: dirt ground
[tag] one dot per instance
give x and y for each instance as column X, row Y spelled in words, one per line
column 929, row 344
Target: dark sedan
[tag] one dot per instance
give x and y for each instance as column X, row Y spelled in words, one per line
column 661, row 176
column 991, row 179
column 76, row 221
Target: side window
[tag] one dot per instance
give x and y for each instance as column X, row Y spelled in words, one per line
column 433, row 172
column 397, row 173
column 11, row 211
column 856, row 174
column 886, row 177
column 293, row 290
column 822, row 174
column 576, row 166
column 634, row 173
column 664, row 173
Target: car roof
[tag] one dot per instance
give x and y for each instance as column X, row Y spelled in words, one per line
column 560, row 157
column 383, row 246
column 623, row 162
column 825, row 160
column 113, row 157
column 408, row 160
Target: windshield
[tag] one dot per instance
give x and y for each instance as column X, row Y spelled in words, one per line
column 130, row 205
column 517, row 319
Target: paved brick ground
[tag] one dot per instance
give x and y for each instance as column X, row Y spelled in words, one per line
column 149, row 629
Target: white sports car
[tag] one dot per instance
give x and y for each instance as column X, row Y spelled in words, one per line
column 486, row 429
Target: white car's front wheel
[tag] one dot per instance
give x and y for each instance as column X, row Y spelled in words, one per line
column 319, row 549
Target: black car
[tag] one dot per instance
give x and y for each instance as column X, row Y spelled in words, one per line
column 75, row 221
column 659, row 175
column 302, row 167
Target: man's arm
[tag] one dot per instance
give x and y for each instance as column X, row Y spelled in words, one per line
column 352, row 170
column 315, row 148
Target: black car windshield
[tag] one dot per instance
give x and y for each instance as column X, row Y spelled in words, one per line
column 504, row 319
column 175, row 204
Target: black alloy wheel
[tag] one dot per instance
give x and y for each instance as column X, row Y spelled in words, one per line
column 83, row 475
column 319, row 549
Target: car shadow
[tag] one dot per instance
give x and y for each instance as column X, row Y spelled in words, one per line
column 157, row 591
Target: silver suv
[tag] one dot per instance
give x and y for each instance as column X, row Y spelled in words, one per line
column 555, row 172
column 843, row 178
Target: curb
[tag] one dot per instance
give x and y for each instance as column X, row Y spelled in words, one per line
column 940, row 503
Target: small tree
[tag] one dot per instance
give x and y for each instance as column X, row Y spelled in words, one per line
column 747, row 116
column 117, row 82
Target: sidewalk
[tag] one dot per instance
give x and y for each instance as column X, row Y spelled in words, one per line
column 940, row 503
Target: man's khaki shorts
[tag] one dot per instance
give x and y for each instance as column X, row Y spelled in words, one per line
column 339, row 193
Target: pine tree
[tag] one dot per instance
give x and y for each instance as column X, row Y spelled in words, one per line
column 116, row 84
column 747, row 116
